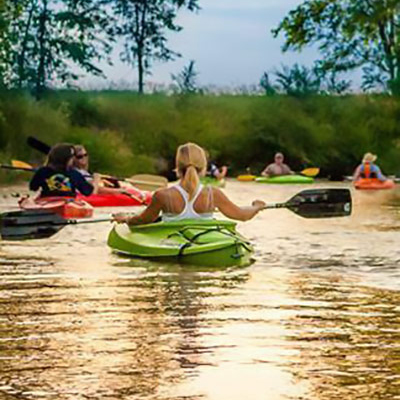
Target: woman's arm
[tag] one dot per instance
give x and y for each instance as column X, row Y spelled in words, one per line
column 357, row 173
column 149, row 215
column 232, row 211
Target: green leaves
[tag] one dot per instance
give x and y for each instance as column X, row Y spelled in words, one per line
column 53, row 38
column 349, row 34
column 144, row 27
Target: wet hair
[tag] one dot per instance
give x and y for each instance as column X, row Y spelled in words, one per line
column 59, row 156
column 280, row 155
column 190, row 162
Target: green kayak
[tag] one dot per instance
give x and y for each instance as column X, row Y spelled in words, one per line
column 209, row 243
column 285, row 179
column 208, row 180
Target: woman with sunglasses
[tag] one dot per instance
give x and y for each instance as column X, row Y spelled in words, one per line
column 81, row 164
column 59, row 178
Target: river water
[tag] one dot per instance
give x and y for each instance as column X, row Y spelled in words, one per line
column 317, row 316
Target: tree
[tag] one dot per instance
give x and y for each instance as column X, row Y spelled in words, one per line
column 349, row 34
column 186, row 79
column 143, row 24
column 9, row 11
column 299, row 80
column 268, row 87
column 52, row 35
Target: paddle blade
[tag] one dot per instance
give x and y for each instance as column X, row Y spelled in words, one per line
column 21, row 164
column 38, row 145
column 246, row 178
column 310, row 172
column 30, row 224
column 148, row 181
column 321, row 203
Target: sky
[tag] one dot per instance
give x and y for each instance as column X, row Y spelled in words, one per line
column 229, row 40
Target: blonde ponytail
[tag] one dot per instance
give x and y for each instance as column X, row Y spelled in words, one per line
column 191, row 180
column 191, row 163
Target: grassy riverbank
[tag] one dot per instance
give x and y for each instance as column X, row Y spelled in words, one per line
column 126, row 133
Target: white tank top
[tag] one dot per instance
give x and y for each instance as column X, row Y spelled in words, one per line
column 188, row 211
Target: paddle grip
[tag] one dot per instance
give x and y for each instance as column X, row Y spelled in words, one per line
column 275, row 205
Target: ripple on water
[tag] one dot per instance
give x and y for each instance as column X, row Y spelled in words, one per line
column 316, row 317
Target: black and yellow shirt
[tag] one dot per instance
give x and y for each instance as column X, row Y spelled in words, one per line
column 59, row 183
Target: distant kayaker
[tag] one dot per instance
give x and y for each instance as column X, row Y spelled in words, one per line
column 215, row 172
column 59, row 178
column 367, row 169
column 189, row 199
column 277, row 168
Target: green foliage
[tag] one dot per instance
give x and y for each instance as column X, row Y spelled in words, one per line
column 185, row 81
column 300, row 81
column 127, row 133
column 46, row 37
column 349, row 34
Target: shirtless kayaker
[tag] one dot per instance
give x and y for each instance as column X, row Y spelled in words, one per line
column 277, row 168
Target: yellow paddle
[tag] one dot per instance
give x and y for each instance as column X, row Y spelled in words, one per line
column 21, row 164
column 246, row 178
column 141, row 181
column 313, row 171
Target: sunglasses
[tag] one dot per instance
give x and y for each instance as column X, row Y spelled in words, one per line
column 80, row 156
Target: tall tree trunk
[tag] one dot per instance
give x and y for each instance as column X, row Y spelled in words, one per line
column 140, row 73
column 21, row 57
column 41, row 72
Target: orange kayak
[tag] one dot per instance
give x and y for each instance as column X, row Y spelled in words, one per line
column 66, row 207
column 373, row 184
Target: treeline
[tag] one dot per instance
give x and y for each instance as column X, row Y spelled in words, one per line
column 47, row 43
column 126, row 133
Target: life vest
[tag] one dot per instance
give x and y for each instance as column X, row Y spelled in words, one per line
column 367, row 171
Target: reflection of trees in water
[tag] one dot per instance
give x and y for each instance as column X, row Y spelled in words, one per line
column 184, row 293
column 117, row 336
column 348, row 338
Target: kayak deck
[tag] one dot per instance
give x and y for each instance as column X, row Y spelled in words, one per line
column 66, row 207
column 119, row 199
column 285, row 179
column 373, row 184
column 196, row 242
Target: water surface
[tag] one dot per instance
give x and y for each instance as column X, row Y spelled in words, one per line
column 317, row 315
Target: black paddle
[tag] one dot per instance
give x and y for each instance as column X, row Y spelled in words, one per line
column 319, row 203
column 35, row 224
column 38, row 145
column 31, row 224
column 156, row 181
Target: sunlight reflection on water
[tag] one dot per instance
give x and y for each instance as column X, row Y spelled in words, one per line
column 315, row 317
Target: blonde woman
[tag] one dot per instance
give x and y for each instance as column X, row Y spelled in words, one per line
column 189, row 199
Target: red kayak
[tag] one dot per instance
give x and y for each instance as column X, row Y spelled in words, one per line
column 138, row 198
column 66, row 207
column 373, row 184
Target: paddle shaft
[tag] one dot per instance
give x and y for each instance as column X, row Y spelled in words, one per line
column 45, row 149
column 5, row 166
column 81, row 221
